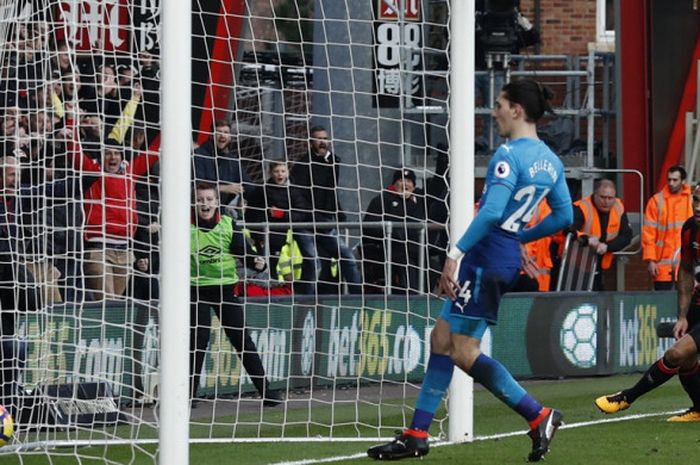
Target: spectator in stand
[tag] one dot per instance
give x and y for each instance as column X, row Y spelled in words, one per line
column 91, row 130
column 63, row 59
column 149, row 77
column 217, row 162
column 437, row 186
column 10, row 122
column 36, row 222
column 15, row 296
column 70, row 86
column 64, row 220
column 40, row 124
column 270, row 204
column 664, row 216
column 147, row 237
column 437, row 199
column 30, row 205
column 316, row 179
column 110, row 213
column 137, row 139
column 216, row 243
column 126, row 75
column 108, row 95
column 398, row 204
column 103, row 98
column 601, row 221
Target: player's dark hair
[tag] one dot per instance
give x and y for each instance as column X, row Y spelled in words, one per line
column 678, row 169
column 532, row 96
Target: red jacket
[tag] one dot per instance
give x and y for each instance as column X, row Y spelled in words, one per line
column 110, row 202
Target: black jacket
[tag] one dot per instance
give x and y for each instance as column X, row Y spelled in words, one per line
column 16, row 283
column 272, row 195
column 216, row 166
column 390, row 206
column 261, row 203
column 316, row 181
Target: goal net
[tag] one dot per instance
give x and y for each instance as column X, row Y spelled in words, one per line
column 346, row 99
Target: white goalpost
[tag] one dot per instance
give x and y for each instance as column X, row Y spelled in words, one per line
column 115, row 113
column 461, row 399
column 176, row 127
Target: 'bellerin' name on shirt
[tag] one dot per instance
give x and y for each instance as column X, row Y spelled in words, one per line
column 546, row 166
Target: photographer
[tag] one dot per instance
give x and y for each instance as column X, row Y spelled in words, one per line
column 501, row 30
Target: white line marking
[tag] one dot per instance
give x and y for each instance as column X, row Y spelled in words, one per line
column 485, row 438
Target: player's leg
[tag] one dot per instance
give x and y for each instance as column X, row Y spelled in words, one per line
column 690, row 380
column 682, row 352
column 479, row 304
column 689, row 376
column 413, row 442
column 437, row 379
column 490, row 373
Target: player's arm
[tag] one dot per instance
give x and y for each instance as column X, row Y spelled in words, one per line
column 686, row 280
column 488, row 216
column 686, row 284
column 560, row 218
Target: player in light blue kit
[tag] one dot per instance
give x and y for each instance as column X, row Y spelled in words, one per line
column 521, row 173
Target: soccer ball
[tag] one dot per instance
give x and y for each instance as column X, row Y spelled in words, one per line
column 577, row 336
column 6, row 426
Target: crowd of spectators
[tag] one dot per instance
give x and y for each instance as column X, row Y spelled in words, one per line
column 74, row 134
column 80, row 156
column 80, row 142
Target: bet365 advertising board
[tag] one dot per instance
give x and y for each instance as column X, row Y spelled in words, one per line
column 338, row 341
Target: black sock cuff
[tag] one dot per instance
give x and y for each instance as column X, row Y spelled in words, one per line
column 666, row 367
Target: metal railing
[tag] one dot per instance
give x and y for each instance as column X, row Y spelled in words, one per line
column 344, row 229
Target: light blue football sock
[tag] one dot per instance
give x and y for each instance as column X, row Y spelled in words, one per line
column 494, row 377
column 437, row 379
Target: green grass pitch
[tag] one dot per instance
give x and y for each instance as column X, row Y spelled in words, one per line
column 584, row 440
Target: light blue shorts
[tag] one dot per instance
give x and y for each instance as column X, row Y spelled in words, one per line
column 464, row 325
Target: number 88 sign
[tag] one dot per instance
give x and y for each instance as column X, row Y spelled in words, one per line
column 389, row 43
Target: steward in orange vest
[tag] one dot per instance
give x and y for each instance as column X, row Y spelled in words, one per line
column 539, row 250
column 602, row 219
column 664, row 216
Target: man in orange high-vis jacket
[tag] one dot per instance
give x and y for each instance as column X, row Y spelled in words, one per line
column 602, row 220
column 537, row 263
column 664, row 216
